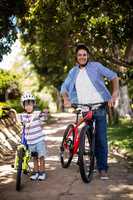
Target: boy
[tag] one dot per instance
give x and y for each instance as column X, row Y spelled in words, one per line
column 32, row 121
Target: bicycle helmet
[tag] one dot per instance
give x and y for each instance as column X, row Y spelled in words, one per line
column 27, row 96
column 82, row 46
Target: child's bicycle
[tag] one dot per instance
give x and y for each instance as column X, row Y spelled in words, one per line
column 21, row 164
column 81, row 143
column 22, row 158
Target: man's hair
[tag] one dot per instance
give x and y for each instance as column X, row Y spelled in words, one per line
column 82, row 46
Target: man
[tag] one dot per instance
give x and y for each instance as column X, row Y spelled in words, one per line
column 84, row 84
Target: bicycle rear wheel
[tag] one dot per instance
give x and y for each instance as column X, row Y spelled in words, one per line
column 66, row 149
column 86, row 155
column 19, row 168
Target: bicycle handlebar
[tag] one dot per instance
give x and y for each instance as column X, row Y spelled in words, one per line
column 75, row 105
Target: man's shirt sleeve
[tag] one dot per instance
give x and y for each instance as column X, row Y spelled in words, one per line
column 104, row 71
column 66, row 84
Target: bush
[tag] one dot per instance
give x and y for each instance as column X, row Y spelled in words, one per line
column 9, row 85
column 15, row 104
column 3, row 104
column 41, row 104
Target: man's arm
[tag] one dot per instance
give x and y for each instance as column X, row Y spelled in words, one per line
column 65, row 89
column 115, row 91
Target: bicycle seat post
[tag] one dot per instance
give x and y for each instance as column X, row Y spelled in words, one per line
column 77, row 117
column 77, row 111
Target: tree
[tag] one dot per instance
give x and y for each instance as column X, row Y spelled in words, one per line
column 9, row 85
column 9, row 10
column 50, row 30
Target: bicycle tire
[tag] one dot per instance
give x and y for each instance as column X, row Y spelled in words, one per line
column 19, row 169
column 86, row 167
column 67, row 146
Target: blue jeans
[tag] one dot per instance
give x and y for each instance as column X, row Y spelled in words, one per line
column 101, row 145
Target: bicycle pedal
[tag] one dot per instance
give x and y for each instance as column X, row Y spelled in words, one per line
column 62, row 148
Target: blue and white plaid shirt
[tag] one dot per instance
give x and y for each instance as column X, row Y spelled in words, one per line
column 96, row 72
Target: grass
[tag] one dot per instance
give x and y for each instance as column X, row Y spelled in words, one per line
column 121, row 137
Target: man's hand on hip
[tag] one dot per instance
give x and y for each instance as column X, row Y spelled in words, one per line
column 114, row 100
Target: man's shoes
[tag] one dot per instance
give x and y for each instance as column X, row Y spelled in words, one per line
column 103, row 175
column 42, row 176
column 34, row 176
column 77, row 162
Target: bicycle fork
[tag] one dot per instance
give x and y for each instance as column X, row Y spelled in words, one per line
column 93, row 138
column 24, row 155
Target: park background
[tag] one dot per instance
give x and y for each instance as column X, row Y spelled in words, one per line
column 37, row 49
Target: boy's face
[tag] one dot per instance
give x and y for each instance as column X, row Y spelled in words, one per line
column 29, row 106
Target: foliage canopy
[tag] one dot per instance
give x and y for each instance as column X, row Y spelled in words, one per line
column 9, row 10
column 51, row 29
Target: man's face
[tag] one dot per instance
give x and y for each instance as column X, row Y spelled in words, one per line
column 82, row 57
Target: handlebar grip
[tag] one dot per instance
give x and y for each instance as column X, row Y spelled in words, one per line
column 74, row 106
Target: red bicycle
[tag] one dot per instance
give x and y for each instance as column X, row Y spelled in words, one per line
column 80, row 142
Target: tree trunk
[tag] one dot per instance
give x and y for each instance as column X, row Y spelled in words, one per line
column 129, row 51
column 59, row 101
column 124, row 108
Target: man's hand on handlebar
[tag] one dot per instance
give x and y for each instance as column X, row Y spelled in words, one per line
column 67, row 103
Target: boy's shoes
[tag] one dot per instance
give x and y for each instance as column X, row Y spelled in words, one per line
column 34, row 176
column 103, row 175
column 42, row 176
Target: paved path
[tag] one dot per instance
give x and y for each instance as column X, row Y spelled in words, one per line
column 66, row 184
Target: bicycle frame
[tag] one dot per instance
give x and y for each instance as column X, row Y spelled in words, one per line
column 26, row 157
column 26, row 154
column 88, row 116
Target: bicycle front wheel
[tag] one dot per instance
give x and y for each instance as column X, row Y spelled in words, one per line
column 86, row 155
column 19, row 169
column 66, row 149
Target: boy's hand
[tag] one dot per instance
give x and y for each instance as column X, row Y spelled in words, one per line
column 44, row 115
column 46, row 110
